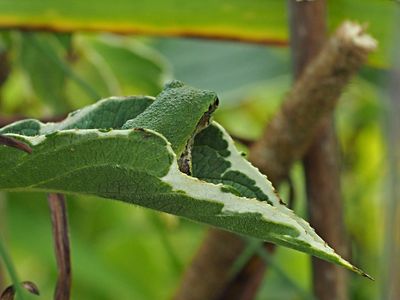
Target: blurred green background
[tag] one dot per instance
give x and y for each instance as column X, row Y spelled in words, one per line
column 126, row 252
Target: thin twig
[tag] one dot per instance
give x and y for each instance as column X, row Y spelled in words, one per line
column 4, row 66
column 61, row 242
column 286, row 139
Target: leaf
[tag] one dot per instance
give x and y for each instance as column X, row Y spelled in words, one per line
column 172, row 17
column 89, row 153
column 43, row 57
column 252, row 21
column 116, row 66
column 137, row 68
column 254, row 65
column 40, row 59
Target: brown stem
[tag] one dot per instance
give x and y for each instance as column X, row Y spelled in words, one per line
column 210, row 265
column 286, row 139
column 61, row 243
column 246, row 283
column 322, row 175
column 4, row 66
column 321, row 162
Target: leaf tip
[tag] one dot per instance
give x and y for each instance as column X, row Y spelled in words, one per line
column 362, row 273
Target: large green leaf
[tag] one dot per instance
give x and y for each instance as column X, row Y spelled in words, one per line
column 236, row 19
column 40, row 57
column 116, row 66
column 143, row 152
column 253, row 21
column 254, row 65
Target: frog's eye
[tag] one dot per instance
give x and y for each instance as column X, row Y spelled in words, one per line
column 213, row 106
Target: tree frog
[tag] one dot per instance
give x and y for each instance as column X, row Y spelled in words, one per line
column 179, row 112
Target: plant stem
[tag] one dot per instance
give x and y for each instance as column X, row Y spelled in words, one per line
column 11, row 271
column 321, row 162
column 176, row 264
column 61, row 243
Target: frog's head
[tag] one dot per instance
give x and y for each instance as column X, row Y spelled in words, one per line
column 179, row 112
column 196, row 97
column 189, row 97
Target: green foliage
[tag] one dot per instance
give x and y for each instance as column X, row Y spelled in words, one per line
column 36, row 51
